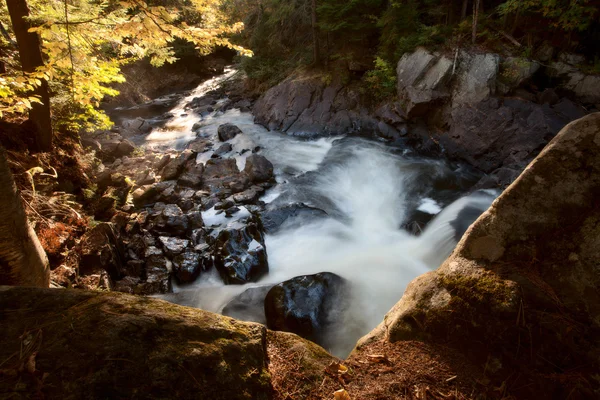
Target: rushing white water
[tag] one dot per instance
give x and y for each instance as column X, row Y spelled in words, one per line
column 369, row 192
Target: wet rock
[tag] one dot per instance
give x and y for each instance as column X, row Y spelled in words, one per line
column 224, row 148
column 227, row 132
column 240, row 254
column 192, row 175
column 249, row 305
column 101, row 249
column 223, row 205
column 172, row 220
column 176, row 165
column 222, row 177
column 187, row 267
column 276, row 216
column 157, row 274
column 249, row 196
column 199, row 145
column 258, row 168
column 306, row 305
column 172, row 245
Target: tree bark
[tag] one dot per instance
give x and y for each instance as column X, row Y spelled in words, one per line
column 31, row 58
column 475, row 18
column 463, row 11
column 23, row 261
column 315, row 33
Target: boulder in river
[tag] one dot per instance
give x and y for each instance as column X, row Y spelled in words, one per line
column 227, row 132
column 258, row 168
column 240, row 254
column 306, row 305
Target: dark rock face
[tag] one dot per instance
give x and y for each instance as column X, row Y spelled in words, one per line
column 240, row 254
column 305, row 305
column 223, row 149
column 91, row 341
column 227, row 132
column 258, row 169
column 274, row 218
column 510, row 132
column 249, row 305
column 307, row 107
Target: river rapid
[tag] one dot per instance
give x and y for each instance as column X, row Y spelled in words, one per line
column 389, row 215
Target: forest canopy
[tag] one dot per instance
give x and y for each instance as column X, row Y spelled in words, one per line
column 86, row 42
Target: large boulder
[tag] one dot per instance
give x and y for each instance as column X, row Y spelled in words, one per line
column 307, row 305
column 477, row 78
column 585, row 87
column 223, row 178
column 520, row 295
column 279, row 216
column 422, row 78
column 73, row 344
column 240, row 253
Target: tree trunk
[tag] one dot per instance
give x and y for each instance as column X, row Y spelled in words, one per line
column 463, row 12
column 475, row 18
column 23, row 261
column 315, row 33
column 31, row 58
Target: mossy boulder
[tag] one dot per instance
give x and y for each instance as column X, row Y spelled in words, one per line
column 73, row 344
column 520, row 295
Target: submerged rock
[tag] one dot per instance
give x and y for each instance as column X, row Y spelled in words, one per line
column 249, row 305
column 276, row 217
column 306, row 305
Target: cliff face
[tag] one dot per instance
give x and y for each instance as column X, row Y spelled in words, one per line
column 520, row 295
column 480, row 108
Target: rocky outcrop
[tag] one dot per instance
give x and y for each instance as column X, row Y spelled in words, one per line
column 506, row 132
column 521, row 292
column 308, row 107
column 72, row 344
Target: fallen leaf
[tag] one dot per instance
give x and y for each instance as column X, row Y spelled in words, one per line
column 336, row 368
column 341, row 394
column 377, row 358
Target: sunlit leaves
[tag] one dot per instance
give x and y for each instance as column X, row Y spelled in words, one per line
column 84, row 57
